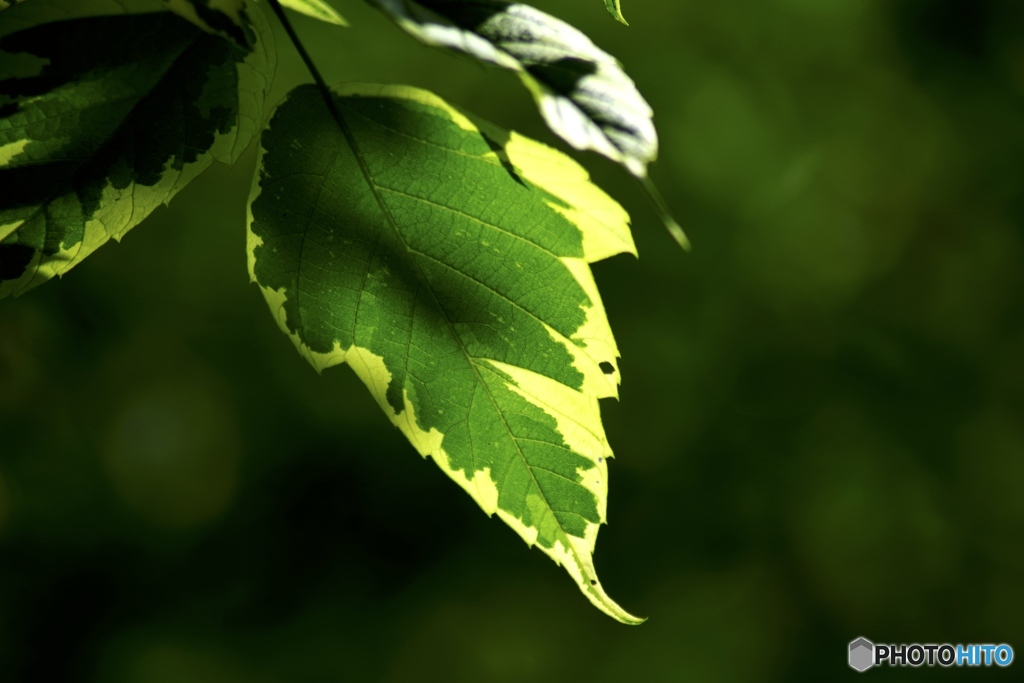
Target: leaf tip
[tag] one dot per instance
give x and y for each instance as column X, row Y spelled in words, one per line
column 604, row 603
column 337, row 20
column 317, row 9
column 615, row 9
column 594, row 591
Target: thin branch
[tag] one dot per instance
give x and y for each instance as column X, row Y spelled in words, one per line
column 325, row 92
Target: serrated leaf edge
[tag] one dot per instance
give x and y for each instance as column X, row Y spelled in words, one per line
column 579, row 421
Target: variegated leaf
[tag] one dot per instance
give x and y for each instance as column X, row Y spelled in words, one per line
column 105, row 117
column 582, row 91
column 446, row 261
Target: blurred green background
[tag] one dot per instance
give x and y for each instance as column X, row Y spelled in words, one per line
column 820, row 435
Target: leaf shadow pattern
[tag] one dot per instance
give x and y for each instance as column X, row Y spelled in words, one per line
column 396, row 239
column 118, row 116
column 410, row 240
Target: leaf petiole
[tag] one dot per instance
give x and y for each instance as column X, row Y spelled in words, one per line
column 321, row 84
column 666, row 216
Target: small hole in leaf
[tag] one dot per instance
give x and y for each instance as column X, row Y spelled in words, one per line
column 593, row 582
column 607, row 368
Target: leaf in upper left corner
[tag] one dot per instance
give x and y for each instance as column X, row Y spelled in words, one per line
column 105, row 117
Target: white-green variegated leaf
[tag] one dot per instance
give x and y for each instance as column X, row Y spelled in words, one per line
column 446, row 261
column 615, row 9
column 318, row 9
column 103, row 117
column 582, row 91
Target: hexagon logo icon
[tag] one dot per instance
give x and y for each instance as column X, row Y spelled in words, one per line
column 862, row 654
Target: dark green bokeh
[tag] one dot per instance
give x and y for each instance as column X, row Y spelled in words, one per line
column 820, row 434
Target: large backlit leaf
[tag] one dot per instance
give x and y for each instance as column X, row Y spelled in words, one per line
column 582, row 91
column 103, row 118
column 446, row 261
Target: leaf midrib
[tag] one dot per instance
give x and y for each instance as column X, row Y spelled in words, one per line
column 565, row 338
